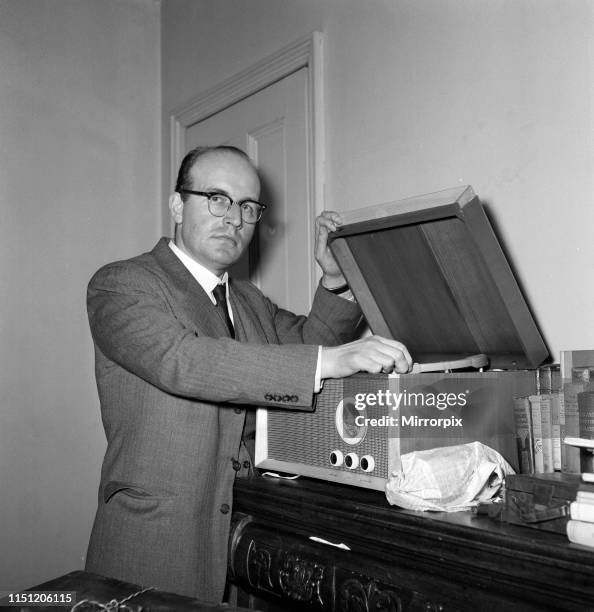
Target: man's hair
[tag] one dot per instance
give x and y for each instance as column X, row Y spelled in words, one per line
column 184, row 178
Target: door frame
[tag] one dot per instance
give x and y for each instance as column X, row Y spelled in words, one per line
column 307, row 53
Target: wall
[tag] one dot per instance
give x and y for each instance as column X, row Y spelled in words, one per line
column 80, row 184
column 425, row 95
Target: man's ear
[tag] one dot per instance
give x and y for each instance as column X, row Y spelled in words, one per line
column 176, row 207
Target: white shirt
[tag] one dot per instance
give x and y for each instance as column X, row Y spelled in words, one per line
column 208, row 281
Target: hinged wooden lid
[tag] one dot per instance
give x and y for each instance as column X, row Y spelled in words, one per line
column 429, row 272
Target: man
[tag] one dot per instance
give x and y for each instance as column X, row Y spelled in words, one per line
column 178, row 369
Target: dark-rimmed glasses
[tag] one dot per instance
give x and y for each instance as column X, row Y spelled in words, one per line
column 219, row 205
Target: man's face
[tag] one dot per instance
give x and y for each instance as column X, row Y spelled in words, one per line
column 216, row 242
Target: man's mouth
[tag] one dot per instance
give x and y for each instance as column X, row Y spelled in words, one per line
column 226, row 237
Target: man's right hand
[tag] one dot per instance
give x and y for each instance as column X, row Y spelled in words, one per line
column 373, row 354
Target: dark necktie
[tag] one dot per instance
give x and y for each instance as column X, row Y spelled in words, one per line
column 219, row 295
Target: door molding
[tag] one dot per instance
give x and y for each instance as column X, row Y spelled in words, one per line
column 304, row 53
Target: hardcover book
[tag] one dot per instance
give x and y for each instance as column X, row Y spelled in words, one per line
column 571, row 364
column 585, row 401
column 582, row 511
column 585, row 497
column 544, row 378
column 557, row 429
column 547, row 435
column 536, row 414
column 580, row 532
column 524, row 438
column 572, row 425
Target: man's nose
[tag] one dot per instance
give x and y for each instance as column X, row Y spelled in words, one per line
column 233, row 215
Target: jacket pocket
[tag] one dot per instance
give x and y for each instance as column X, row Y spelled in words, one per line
column 136, row 491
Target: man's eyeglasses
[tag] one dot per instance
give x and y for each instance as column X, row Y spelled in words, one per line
column 219, row 205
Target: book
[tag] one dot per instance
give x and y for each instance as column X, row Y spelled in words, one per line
column 537, row 445
column 588, row 477
column 543, row 380
column 568, row 362
column 547, row 435
column 557, row 416
column 562, row 429
column 524, row 439
column 584, row 497
column 585, row 401
column 581, row 511
column 556, row 383
column 572, row 425
column 580, row 532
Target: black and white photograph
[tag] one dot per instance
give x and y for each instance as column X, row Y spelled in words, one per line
column 297, row 305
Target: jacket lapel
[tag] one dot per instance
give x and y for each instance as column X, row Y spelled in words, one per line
column 192, row 303
column 245, row 318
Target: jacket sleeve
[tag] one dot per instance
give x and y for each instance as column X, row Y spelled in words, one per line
column 332, row 321
column 134, row 326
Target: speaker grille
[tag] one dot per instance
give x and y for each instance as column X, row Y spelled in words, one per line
column 309, row 438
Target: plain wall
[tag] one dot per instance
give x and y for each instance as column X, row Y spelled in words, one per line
column 79, row 186
column 422, row 95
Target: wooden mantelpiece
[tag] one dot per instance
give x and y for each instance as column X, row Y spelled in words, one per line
column 392, row 559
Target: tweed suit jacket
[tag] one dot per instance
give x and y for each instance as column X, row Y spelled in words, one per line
column 174, row 389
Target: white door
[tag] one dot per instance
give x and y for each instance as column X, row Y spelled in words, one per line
column 271, row 127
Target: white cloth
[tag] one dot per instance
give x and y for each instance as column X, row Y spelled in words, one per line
column 449, row 478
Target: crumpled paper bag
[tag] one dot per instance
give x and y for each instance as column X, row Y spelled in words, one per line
column 449, row 478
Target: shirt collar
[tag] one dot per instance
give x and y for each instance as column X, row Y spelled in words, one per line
column 207, row 279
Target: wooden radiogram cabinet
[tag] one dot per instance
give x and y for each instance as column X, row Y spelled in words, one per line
column 313, row 545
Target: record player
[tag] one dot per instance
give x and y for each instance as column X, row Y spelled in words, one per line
column 427, row 271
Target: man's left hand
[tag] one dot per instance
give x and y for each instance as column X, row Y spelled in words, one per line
column 328, row 222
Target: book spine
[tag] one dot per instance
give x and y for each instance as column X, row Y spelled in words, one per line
column 562, row 429
column 556, row 430
column 547, row 435
column 572, row 424
column 537, row 433
column 580, row 532
column 581, row 512
column 583, row 497
column 585, row 401
column 544, row 380
column 556, row 384
column 525, row 443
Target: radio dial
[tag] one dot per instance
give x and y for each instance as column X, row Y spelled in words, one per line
column 352, row 461
column 336, row 457
column 367, row 463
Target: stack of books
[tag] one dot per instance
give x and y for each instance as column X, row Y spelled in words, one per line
column 561, row 409
column 540, row 425
column 580, row 527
